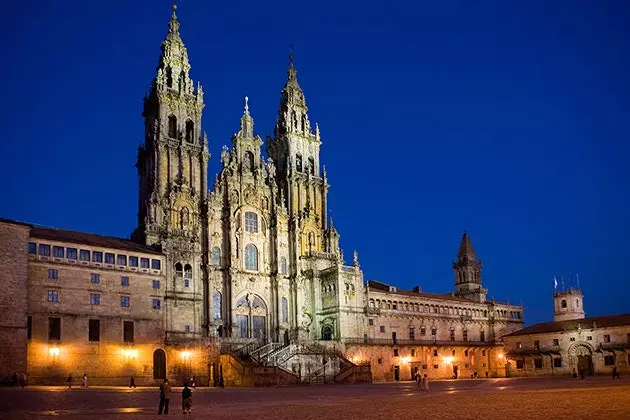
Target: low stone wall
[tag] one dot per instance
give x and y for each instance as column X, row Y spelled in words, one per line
column 273, row 376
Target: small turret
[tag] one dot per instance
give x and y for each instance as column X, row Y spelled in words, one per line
column 568, row 304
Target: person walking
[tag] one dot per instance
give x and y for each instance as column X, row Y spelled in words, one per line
column 165, row 390
column 69, row 381
column 418, row 380
column 84, row 384
column 132, row 382
column 425, row 383
column 616, row 373
column 186, row 399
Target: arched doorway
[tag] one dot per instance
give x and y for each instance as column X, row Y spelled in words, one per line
column 251, row 317
column 159, row 364
column 581, row 355
column 327, row 332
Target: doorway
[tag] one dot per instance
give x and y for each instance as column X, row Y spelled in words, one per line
column 159, row 364
column 396, row 373
column 586, row 363
column 455, row 372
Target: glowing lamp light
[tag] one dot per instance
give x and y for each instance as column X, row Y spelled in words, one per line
column 53, row 351
column 449, row 359
column 129, row 353
column 500, row 356
column 405, row 360
column 185, row 355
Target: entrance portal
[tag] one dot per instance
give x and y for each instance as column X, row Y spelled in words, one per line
column 396, row 373
column 159, row 364
column 586, row 363
column 455, row 371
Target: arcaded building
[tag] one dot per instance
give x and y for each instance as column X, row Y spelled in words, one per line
column 223, row 276
column 571, row 343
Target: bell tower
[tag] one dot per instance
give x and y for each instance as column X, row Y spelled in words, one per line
column 172, row 170
column 467, row 271
column 568, row 304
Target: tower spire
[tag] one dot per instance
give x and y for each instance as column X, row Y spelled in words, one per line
column 468, row 272
column 173, row 24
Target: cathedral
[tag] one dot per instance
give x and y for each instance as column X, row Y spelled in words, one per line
column 234, row 281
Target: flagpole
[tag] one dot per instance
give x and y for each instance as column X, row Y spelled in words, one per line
column 578, row 280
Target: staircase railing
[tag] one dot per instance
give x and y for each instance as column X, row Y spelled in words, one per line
column 261, row 352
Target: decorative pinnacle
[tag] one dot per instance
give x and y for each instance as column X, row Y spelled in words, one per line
column 174, row 7
column 246, row 105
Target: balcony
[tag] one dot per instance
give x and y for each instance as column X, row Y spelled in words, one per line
column 416, row 342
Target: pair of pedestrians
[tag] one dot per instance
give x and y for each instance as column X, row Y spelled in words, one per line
column 422, row 381
column 165, row 391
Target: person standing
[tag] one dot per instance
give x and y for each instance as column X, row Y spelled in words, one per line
column 425, row 383
column 186, row 400
column 418, row 380
column 165, row 390
column 69, row 381
column 84, row 384
column 616, row 373
column 132, row 382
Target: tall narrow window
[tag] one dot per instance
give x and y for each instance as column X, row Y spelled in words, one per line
column 311, row 166
column 169, row 77
column 172, row 126
column 128, row 331
column 298, row 163
column 251, row 222
column 216, row 305
column 216, row 256
column 54, row 328
column 482, row 336
column 251, row 257
column 187, row 275
column 285, row 310
column 179, row 270
column 248, row 161
column 465, row 335
column 283, row 266
column 190, row 131
column 29, row 327
column 94, row 333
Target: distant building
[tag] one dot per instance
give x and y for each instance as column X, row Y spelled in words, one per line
column 570, row 343
column 211, row 280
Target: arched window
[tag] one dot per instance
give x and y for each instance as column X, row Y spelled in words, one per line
column 248, row 161
column 303, row 122
column 251, row 257
column 182, row 81
column 183, row 218
column 563, row 303
column 285, row 310
column 311, row 166
column 216, row 305
column 577, row 303
column 215, row 256
column 179, row 270
column 294, row 119
column 172, row 126
column 298, row 163
column 283, row 266
column 190, row 131
column 187, row 275
column 169, row 77
column 251, row 222
column 327, row 332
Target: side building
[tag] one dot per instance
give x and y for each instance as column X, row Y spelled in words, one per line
column 571, row 343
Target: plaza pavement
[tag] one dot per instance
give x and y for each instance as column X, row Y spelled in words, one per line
column 514, row 398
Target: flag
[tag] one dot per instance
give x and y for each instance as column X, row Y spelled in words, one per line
column 555, row 282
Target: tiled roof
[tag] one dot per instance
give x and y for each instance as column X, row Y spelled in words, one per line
column 384, row 288
column 83, row 238
column 466, row 250
column 586, row 323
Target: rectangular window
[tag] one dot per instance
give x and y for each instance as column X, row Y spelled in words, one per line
column 423, row 331
column 32, row 248
column 97, row 256
column 44, row 250
column 589, row 338
column 53, row 296
column 413, row 352
column 187, row 328
column 556, row 342
column 128, row 331
column 121, row 260
column 609, row 360
column 412, row 333
column 95, row 278
column 536, row 345
column 94, row 332
column 370, row 322
column 465, row 353
column 606, row 338
column 557, row 362
column 54, row 328
column 186, row 283
column 379, row 361
column 58, row 251
column 251, row 222
column 394, row 306
column 483, row 352
column 452, row 335
column 156, row 264
column 124, row 281
column 436, row 366
column 95, row 298
column 109, row 258
column 124, row 301
column 71, row 253
column 465, row 335
column 53, row 274
column 382, row 328
column 156, row 304
column 482, row 336
column 572, row 339
column 520, row 364
column 133, row 261
column 156, row 284
column 29, row 327
column 84, row 255
column 435, row 353
column 395, row 352
column 538, row 363
column 434, row 332
column 144, row 262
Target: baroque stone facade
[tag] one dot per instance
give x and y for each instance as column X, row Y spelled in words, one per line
column 251, row 270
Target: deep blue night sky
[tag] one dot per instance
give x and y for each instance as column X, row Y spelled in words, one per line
column 509, row 120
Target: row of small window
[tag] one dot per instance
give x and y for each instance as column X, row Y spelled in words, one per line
column 423, row 332
column 556, row 342
column 94, row 329
column 53, row 274
column 435, row 353
column 95, row 299
column 96, row 256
